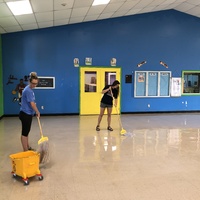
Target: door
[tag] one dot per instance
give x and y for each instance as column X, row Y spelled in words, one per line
column 92, row 82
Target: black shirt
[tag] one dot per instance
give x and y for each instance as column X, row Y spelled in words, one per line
column 107, row 97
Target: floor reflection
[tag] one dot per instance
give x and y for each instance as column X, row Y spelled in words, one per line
column 141, row 143
column 159, row 158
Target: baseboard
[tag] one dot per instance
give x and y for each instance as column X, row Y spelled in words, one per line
column 162, row 112
column 56, row 114
column 149, row 112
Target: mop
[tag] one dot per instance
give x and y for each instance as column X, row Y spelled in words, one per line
column 123, row 131
column 43, row 146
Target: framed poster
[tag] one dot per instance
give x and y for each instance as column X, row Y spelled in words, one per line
column 176, row 87
column 46, row 83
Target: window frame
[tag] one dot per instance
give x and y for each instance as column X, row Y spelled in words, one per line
column 192, row 87
column 151, row 86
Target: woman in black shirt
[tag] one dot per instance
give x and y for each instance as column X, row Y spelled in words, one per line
column 110, row 92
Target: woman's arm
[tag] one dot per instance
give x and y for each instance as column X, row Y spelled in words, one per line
column 115, row 103
column 116, row 94
column 106, row 90
column 33, row 105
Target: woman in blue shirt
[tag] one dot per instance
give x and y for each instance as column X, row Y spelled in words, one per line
column 28, row 109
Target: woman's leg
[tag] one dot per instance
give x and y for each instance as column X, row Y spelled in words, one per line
column 102, row 110
column 26, row 121
column 24, row 141
column 109, row 111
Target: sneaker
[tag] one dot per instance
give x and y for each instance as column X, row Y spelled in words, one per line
column 109, row 128
column 97, row 128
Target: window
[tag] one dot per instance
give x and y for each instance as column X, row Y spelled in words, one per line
column 152, row 84
column 110, row 77
column 90, row 81
column 191, row 82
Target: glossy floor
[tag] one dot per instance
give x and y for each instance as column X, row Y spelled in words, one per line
column 158, row 159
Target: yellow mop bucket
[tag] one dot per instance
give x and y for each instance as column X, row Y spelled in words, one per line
column 26, row 164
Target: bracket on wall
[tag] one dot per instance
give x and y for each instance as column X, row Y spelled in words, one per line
column 141, row 63
column 163, row 64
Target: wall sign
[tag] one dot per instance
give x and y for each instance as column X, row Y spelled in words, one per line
column 76, row 62
column 46, row 82
column 176, row 87
column 88, row 61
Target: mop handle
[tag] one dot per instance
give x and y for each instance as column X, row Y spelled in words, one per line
column 117, row 110
column 119, row 117
column 111, row 92
column 40, row 126
column 112, row 96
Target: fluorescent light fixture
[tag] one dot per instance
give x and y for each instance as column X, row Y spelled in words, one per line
column 20, row 7
column 100, row 2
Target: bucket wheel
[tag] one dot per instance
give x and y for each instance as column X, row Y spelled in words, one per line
column 26, row 181
column 40, row 177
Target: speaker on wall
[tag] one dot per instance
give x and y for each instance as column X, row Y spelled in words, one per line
column 128, row 78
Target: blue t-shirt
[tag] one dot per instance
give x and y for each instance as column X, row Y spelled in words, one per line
column 28, row 96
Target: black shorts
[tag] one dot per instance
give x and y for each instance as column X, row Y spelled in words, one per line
column 103, row 105
column 26, row 121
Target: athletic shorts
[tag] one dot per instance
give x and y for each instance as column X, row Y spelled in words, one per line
column 103, row 105
column 26, row 121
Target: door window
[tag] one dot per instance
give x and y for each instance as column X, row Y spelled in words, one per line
column 90, row 81
column 110, row 77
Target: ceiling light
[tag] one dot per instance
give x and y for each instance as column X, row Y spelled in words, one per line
column 20, row 7
column 100, row 2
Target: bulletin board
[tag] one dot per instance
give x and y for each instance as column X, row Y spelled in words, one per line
column 46, row 83
column 152, row 84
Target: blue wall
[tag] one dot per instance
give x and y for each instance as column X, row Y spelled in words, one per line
column 170, row 36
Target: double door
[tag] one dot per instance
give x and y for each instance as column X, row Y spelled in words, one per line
column 92, row 82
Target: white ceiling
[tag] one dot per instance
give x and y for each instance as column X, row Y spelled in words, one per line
column 49, row 13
